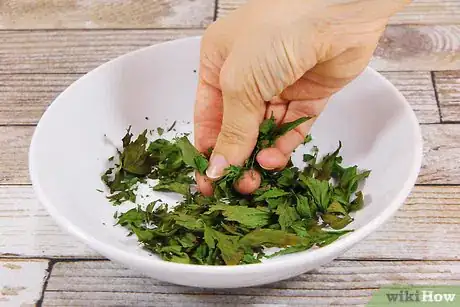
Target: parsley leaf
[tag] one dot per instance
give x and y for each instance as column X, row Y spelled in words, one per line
column 191, row 155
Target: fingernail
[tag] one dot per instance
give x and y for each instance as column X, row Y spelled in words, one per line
column 267, row 168
column 217, row 166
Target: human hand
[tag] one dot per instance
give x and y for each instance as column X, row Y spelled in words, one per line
column 278, row 57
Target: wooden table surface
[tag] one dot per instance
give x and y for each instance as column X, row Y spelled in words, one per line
column 47, row 44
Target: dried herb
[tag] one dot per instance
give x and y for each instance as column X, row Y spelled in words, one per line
column 294, row 209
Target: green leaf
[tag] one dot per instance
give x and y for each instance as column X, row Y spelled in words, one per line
column 319, row 190
column 291, row 250
column 286, row 127
column 336, row 221
column 160, row 131
column 183, row 258
column 188, row 222
column 200, row 254
column 272, row 193
column 287, row 177
column 249, row 259
column 336, row 217
column 229, row 248
column 191, row 155
column 336, row 207
column 287, row 215
column 127, row 138
column 230, row 228
column 271, row 238
column 303, row 207
column 267, row 125
column 326, row 166
column 133, row 217
column 144, row 235
column 273, row 203
column 249, row 217
column 349, row 178
column 135, row 158
column 188, row 240
column 209, row 237
column 228, row 245
column 201, row 164
column 172, row 186
column 357, row 203
column 323, row 238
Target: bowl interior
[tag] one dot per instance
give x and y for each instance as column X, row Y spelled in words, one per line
column 156, row 86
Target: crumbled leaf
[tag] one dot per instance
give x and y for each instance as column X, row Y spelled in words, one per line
column 160, row 131
column 336, row 221
column 272, row 193
column 294, row 209
column 303, row 207
column 291, row 250
column 319, row 191
column 135, row 158
column 191, row 155
column 286, row 127
column 287, row 215
column 173, row 186
column 249, row 217
column 271, row 238
column 267, row 126
column 357, row 203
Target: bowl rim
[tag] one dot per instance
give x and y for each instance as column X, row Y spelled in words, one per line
column 297, row 259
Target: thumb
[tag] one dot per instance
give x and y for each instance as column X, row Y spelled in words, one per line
column 242, row 114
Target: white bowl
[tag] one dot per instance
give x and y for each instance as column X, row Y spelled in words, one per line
column 68, row 153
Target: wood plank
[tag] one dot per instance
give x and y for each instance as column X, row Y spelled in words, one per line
column 418, row 48
column 403, row 48
column 75, row 51
column 346, row 283
column 418, row 12
column 441, row 155
column 417, row 87
column 427, row 227
column 68, row 14
column 21, row 281
column 14, row 142
column 28, row 230
column 448, row 89
column 24, row 97
column 440, row 166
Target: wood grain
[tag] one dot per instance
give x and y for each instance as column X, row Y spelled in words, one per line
column 440, row 165
column 24, row 97
column 67, row 14
column 74, row 51
column 14, row 144
column 417, row 87
column 441, row 154
column 418, row 12
column 345, row 283
column 21, row 281
column 402, row 48
column 448, row 89
column 28, row 230
column 418, row 48
column 421, row 229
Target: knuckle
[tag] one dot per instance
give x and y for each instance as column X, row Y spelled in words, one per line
column 234, row 134
column 245, row 91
